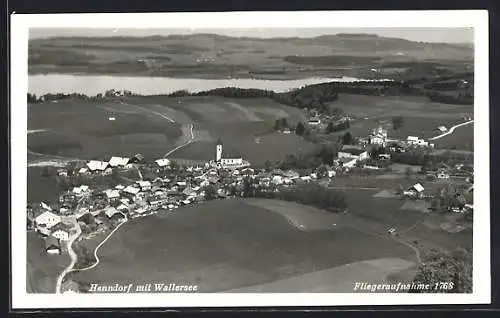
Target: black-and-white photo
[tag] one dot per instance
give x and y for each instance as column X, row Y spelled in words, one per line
column 268, row 160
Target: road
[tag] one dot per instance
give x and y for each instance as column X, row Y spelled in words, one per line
column 451, row 130
column 191, row 139
column 71, row 253
column 98, row 246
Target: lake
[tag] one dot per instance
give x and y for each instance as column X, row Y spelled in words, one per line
column 94, row 84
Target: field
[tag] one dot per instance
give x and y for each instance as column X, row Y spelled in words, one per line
column 42, row 268
column 41, row 188
column 461, row 139
column 421, row 117
column 229, row 244
column 154, row 125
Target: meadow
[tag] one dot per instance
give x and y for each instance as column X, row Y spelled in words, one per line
column 420, row 116
column 228, row 244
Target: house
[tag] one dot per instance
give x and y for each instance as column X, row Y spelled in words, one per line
column 371, row 167
column 112, row 194
column 47, row 219
column 62, row 172
column 141, row 210
column 415, row 141
column 331, row 173
column 61, row 234
column 118, row 161
column 80, row 189
column 346, row 163
column 119, row 187
column 164, row 162
column 96, row 165
column 247, row 171
column 111, row 211
column 416, row 189
column 45, row 206
column 287, row 131
column 443, row 175
column 132, row 190
column 122, row 208
column 84, row 171
column 314, row 121
column 145, row 185
column 138, row 158
column 353, row 153
column 52, row 245
column 442, row 129
column 384, row 156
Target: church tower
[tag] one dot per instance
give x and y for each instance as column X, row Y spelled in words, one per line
column 218, row 151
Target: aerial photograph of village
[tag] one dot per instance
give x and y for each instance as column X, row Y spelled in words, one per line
column 250, row 161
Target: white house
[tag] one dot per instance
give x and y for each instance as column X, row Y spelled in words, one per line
column 47, row 219
column 347, row 162
column 61, row 235
column 118, row 161
column 45, row 206
column 52, row 245
column 112, row 194
column 131, row 190
column 164, row 162
column 442, row 129
column 415, row 141
column 443, row 175
column 353, row 153
column 83, row 171
column 417, row 188
column 62, row 172
column 96, row 165
column 145, row 185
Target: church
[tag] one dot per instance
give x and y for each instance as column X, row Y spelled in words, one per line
column 228, row 158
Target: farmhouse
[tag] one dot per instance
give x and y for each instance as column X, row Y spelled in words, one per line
column 96, row 165
column 353, row 153
column 163, row 162
column 416, row 189
column 145, row 185
column 52, row 245
column 346, row 162
column 415, row 141
column 47, row 219
column 81, row 189
column 132, row 190
column 118, row 161
column 443, row 175
column 60, row 234
column 138, row 158
column 84, row 171
column 442, row 129
column 62, row 172
column 112, row 194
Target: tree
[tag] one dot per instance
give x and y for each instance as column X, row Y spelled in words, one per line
column 408, row 172
column 210, row 193
column 453, row 268
column 397, row 122
column 268, row 165
column 347, row 138
column 300, row 129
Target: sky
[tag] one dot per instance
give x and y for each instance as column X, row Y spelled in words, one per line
column 441, row 35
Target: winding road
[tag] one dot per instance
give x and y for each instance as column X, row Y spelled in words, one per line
column 191, row 139
column 452, row 129
column 71, row 253
column 99, row 246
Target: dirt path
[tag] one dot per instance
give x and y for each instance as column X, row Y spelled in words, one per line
column 71, row 253
column 97, row 249
column 452, row 129
column 191, row 139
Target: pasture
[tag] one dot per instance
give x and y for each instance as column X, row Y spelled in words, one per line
column 41, row 188
column 421, row 116
column 227, row 244
column 42, row 269
column 462, row 138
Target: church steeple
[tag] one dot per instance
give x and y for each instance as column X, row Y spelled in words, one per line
column 218, row 150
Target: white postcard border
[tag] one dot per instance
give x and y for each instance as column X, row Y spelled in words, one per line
column 20, row 24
